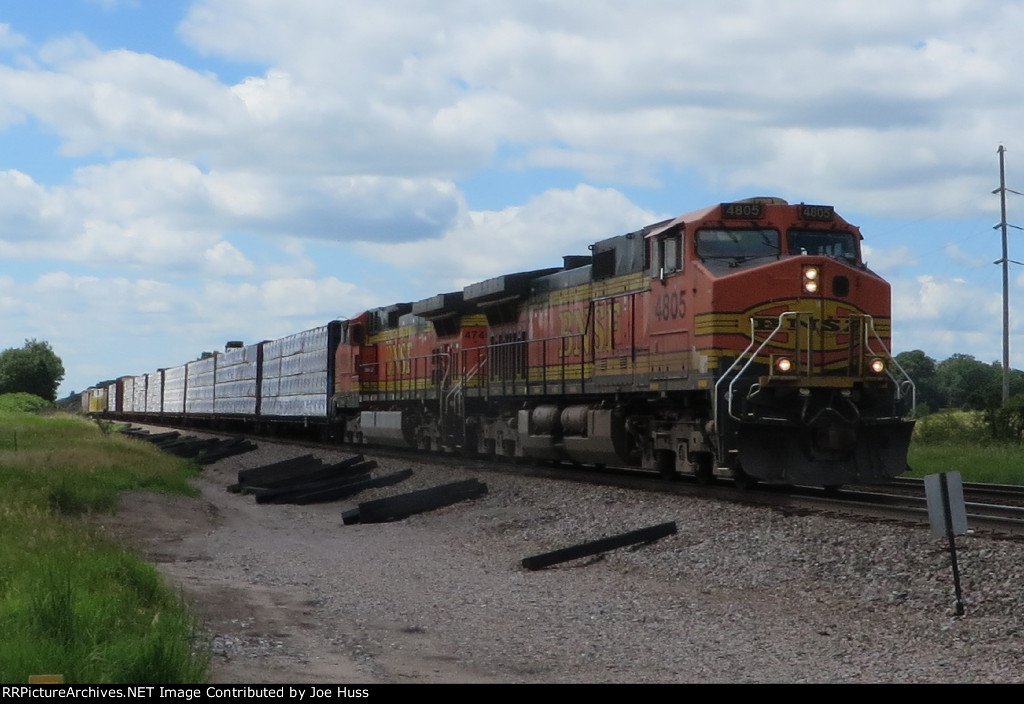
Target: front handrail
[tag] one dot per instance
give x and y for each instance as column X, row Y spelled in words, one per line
column 871, row 342
column 746, row 365
column 905, row 384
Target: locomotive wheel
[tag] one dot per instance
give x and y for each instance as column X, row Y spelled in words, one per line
column 665, row 461
column 705, row 470
column 742, row 480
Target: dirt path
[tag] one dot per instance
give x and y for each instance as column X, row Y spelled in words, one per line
column 258, row 576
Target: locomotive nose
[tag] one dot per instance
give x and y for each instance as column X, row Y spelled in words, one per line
column 836, row 438
column 833, row 455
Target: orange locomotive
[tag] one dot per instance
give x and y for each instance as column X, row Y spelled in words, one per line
column 746, row 340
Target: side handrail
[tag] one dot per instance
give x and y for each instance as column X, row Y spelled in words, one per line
column 466, row 378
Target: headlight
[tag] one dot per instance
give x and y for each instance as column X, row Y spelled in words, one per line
column 877, row 365
column 811, row 276
column 784, row 364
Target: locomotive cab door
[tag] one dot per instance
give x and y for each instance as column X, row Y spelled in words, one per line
column 667, row 314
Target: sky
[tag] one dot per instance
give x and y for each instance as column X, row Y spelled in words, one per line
column 175, row 174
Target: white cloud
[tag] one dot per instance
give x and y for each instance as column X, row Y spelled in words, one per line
column 9, row 39
column 884, row 261
column 28, row 211
column 364, row 122
column 534, row 235
column 878, row 116
column 117, row 326
column 871, row 98
column 167, row 213
column 946, row 300
column 946, row 316
column 224, row 259
column 971, row 259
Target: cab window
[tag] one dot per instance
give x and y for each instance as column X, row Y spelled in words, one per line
column 839, row 245
column 668, row 254
column 737, row 245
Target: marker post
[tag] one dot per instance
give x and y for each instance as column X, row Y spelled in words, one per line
column 947, row 515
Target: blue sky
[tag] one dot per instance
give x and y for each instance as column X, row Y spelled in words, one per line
column 177, row 174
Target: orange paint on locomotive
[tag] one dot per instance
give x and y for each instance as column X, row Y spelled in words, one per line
column 350, row 356
column 413, row 357
column 727, row 305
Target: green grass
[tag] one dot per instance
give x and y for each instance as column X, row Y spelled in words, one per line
column 69, row 464
column 71, row 602
column 960, row 441
column 995, row 464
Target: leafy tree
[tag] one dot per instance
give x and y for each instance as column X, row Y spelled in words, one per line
column 33, row 369
column 917, row 364
column 1007, row 423
column 1016, row 381
column 921, row 369
column 969, row 384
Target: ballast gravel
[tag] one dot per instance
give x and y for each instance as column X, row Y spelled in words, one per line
column 738, row 595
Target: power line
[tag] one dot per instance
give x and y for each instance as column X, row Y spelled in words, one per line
column 1005, row 261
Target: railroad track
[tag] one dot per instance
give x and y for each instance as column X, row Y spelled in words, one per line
column 994, row 508
column 991, row 509
column 903, row 502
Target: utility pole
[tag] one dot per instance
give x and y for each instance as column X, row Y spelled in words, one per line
column 1005, row 261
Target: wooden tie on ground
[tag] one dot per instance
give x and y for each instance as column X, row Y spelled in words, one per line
column 306, row 480
column 398, row 507
column 644, row 535
column 205, row 451
column 311, row 479
column 266, row 475
column 332, row 490
column 297, row 471
column 226, row 448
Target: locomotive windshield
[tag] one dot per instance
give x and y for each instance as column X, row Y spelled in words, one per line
column 840, row 245
column 738, row 245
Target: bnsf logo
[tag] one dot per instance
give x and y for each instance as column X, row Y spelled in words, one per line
column 836, row 325
column 832, row 327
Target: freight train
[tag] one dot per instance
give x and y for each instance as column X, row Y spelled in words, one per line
column 746, row 340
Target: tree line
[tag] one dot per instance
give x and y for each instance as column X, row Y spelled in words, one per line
column 961, row 382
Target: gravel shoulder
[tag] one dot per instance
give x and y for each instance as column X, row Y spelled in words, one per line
column 738, row 595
